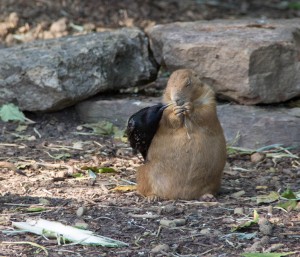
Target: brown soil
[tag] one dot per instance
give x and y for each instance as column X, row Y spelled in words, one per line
column 43, row 160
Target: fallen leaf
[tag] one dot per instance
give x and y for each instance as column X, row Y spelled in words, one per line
column 106, row 170
column 125, row 188
column 77, row 175
column 21, row 128
column 247, row 223
column 269, row 198
column 119, row 134
column 287, row 205
column 288, row 194
column 66, row 233
column 9, row 112
column 35, row 209
column 24, row 165
column 103, row 128
column 99, row 170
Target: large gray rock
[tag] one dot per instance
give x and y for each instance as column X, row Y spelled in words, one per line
column 116, row 111
column 257, row 126
column 242, row 60
column 53, row 74
column 260, row 126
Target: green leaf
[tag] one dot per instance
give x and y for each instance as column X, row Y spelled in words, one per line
column 266, row 254
column 247, row 223
column 119, row 134
column 103, row 128
column 35, row 209
column 271, row 197
column 11, row 112
column 288, row 205
column 288, row 194
column 77, row 175
column 294, row 5
column 99, row 170
column 106, row 170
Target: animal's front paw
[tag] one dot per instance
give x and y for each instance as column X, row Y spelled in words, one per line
column 184, row 109
column 208, row 198
column 179, row 110
column 152, row 198
column 188, row 107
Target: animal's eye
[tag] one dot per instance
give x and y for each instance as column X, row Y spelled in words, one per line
column 189, row 82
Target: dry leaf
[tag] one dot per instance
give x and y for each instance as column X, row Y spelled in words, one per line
column 125, row 188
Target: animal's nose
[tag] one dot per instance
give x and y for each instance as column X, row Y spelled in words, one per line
column 179, row 102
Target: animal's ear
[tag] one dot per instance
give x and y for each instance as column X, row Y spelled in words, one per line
column 188, row 83
column 196, row 77
column 195, row 74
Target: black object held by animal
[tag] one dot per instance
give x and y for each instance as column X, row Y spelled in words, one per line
column 142, row 127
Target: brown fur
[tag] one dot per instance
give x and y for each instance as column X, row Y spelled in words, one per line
column 188, row 152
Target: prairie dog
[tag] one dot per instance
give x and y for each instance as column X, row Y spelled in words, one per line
column 188, row 152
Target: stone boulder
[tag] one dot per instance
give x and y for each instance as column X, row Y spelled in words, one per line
column 257, row 126
column 247, row 61
column 116, row 111
column 53, row 74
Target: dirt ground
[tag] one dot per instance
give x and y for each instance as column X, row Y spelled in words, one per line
column 44, row 164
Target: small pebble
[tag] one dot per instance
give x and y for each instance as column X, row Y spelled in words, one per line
column 272, row 170
column 168, row 209
column 168, row 223
column 80, row 211
column 173, row 223
column 239, row 210
column 81, row 224
column 44, row 201
column 257, row 157
column 274, row 248
column 265, row 240
column 179, row 222
column 238, row 194
column 287, row 172
column 205, row 231
column 159, row 248
column 31, row 138
column 59, row 25
column 265, row 226
column 256, row 247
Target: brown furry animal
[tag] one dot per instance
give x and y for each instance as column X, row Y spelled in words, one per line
column 188, row 152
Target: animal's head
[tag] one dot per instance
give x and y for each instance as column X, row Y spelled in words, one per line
column 185, row 86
